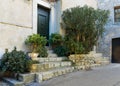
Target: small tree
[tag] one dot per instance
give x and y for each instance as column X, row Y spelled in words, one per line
column 83, row 27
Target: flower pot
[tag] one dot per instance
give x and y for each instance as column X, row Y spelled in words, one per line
column 33, row 55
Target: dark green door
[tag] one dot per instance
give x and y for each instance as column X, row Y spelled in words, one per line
column 43, row 22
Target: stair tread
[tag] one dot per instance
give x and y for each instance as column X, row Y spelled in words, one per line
column 55, row 62
column 54, row 69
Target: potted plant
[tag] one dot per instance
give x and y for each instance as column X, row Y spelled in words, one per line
column 34, row 42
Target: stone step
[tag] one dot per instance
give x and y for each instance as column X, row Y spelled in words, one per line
column 52, row 55
column 13, row 82
column 27, row 78
column 83, row 67
column 42, row 76
column 51, row 59
column 96, row 55
column 50, row 51
column 45, row 66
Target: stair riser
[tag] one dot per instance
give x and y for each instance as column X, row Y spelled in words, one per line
column 48, row 66
column 48, row 75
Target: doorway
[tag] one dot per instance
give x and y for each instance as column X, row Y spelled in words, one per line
column 116, row 50
column 43, row 22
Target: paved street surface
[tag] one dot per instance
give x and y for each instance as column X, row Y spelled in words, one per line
column 102, row 76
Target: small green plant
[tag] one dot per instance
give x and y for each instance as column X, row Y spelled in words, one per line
column 61, row 51
column 15, row 62
column 55, row 40
column 35, row 41
column 42, row 52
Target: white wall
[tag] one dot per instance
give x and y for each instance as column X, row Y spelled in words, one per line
column 15, row 23
column 73, row 3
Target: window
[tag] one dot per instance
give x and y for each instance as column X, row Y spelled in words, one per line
column 117, row 13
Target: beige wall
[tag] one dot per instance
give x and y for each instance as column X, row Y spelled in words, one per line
column 15, row 23
column 18, row 19
column 72, row 3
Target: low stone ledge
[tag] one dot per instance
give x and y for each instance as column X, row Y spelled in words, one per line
column 27, row 78
column 13, row 82
column 42, row 76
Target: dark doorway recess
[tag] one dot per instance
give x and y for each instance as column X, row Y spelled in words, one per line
column 43, row 22
column 116, row 50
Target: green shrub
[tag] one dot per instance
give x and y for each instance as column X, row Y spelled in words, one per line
column 83, row 27
column 15, row 62
column 43, row 52
column 35, row 41
column 61, row 51
column 55, row 40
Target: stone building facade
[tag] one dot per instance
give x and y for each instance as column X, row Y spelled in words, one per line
column 112, row 28
column 18, row 19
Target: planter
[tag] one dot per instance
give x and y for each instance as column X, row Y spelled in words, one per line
column 33, row 55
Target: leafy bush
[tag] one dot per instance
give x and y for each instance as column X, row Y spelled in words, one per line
column 61, row 51
column 35, row 41
column 16, row 62
column 83, row 27
column 43, row 52
column 55, row 40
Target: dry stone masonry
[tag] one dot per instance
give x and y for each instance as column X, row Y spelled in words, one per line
column 112, row 29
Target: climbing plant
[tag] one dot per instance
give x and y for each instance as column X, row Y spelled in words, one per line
column 83, row 26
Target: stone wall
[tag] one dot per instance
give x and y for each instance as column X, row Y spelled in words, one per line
column 112, row 29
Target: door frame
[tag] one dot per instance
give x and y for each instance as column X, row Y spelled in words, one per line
column 112, row 48
column 47, row 10
column 52, row 20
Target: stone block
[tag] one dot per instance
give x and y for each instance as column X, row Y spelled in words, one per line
column 27, row 78
column 39, row 77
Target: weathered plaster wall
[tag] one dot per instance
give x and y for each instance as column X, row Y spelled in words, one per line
column 112, row 29
column 18, row 19
column 72, row 3
column 15, row 23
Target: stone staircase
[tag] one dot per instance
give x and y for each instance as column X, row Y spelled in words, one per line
column 46, row 69
column 50, row 67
